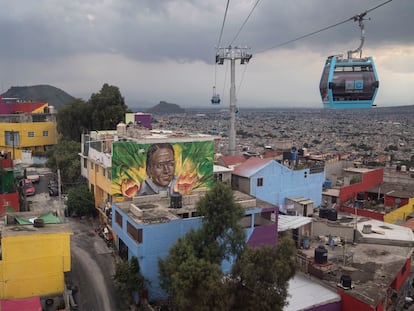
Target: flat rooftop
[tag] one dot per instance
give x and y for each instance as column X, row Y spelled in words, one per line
column 10, row 227
column 150, row 209
column 373, row 263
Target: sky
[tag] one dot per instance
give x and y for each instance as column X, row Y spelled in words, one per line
column 164, row 50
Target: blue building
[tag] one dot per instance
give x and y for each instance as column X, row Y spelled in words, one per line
column 147, row 226
column 272, row 182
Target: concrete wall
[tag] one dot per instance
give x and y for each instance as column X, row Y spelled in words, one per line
column 34, row 264
column 326, row 227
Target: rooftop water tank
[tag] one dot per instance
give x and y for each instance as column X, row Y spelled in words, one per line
column 321, row 255
column 346, row 281
column 332, row 214
column 176, row 200
column 323, row 212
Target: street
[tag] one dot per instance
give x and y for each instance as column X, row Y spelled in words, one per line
column 92, row 261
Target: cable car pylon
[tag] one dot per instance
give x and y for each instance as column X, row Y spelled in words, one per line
column 232, row 53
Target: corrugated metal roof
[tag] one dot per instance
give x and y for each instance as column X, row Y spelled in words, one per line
column 250, row 167
column 286, row 222
column 233, row 160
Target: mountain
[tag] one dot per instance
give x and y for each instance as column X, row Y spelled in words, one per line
column 164, row 107
column 40, row 93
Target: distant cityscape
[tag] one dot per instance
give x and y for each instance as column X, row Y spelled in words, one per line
column 378, row 135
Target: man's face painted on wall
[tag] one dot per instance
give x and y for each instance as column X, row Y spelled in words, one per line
column 162, row 167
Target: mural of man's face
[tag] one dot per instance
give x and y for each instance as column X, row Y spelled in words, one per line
column 162, row 167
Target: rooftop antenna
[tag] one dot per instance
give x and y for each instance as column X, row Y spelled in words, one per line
column 233, row 53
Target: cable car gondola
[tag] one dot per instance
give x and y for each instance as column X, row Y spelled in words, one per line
column 349, row 83
column 215, row 99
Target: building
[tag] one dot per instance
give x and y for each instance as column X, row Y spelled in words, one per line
column 366, row 261
column 28, row 128
column 9, row 196
column 35, row 254
column 147, row 226
column 270, row 181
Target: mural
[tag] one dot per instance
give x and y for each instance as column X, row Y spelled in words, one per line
column 143, row 169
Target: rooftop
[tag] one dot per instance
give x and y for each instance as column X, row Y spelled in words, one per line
column 150, row 209
column 12, row 227
column 372, row 263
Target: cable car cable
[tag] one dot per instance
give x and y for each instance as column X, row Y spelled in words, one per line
column 353, row 18
column 245, row 22
column 216, row 98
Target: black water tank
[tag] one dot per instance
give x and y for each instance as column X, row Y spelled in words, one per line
column 332, row 214
column 176, row 200
column 360, row 196
column 323, row 212
column 346, row 281
column 321, row 255
column 38, row 223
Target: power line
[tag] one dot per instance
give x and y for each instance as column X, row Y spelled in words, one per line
column 353, row 18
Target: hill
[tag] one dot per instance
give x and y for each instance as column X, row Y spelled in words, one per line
column 40, row 93
column 164, row 107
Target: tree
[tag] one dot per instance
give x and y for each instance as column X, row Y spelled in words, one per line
column 260, row 277
column 221, row 223
column 191, row 274
column 73, row 120
column 193, row 283
column 108, row 108
column 80, row 200
column 128, row 279
column 65, row 157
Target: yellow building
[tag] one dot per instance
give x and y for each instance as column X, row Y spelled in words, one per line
column 28, row 132
column 34, row 259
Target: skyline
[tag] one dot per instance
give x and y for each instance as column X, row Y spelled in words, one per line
column 165, row 50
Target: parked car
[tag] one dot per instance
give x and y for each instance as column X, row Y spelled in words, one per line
column 33, row 176
column 28, row 187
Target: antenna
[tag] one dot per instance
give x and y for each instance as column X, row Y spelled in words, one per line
column 233, row 53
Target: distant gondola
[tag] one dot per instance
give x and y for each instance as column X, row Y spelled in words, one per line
column 351, row 82
column 215, row 99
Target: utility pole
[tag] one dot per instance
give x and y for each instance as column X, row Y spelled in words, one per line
column 232, row 53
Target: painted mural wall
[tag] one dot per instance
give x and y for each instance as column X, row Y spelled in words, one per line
column 144, row 169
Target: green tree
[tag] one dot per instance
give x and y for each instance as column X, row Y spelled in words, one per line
column 260, row 277
column 73, row 120
column 108, row 108
column 128, row 279
column 80, row 200
column 193, row 283
column 65, row 157
column 221, row 224
column 191, row 274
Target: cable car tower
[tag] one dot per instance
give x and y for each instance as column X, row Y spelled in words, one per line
column 351, row 82
column 232, row 54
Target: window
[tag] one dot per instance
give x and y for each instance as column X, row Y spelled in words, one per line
column 30, row 134
column 218, row 177
column 259, row 182
column 12, row 138
column 134, row 233
column 118, row 219
column 91, row 166
column 109, row 174
column 103, row 171
column 85, row 163
column 45, row 133
column 97, row 168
